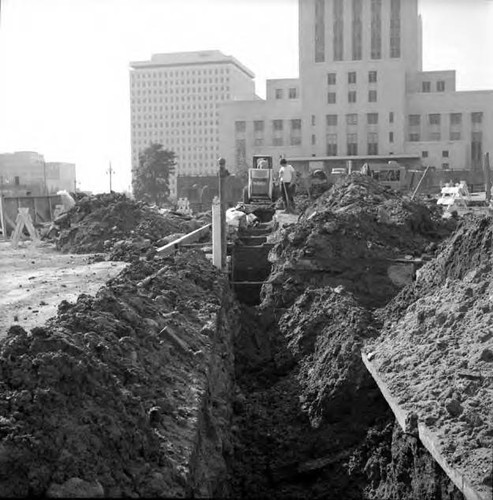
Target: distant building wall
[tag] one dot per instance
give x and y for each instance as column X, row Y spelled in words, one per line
column 26, row 172
column 60, row 176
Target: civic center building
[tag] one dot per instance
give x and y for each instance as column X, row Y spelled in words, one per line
column 362, row 96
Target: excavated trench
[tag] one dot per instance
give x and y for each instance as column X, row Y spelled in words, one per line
column 312, row 423
column 162, row 385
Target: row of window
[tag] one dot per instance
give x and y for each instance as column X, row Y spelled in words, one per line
column 195, row 133
column 183, row 90
column 192, row 141
column 351, row 144
column 200, row 97
column 426, row 86
column 173, row 125
column 351, row 97
column 179, row 84
column 292, row 93
column 352, row 119
column 177, row 73
column 445, row 154
column 180, row 111
column 435, row 118
column 351, row 77
column 454, row 135
column 278, row 141
column 154, row 102
column 295, row 124
column 259, row 125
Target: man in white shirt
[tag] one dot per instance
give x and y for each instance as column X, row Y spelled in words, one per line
column 286, row 177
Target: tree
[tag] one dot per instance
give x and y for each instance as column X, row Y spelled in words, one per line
column 151, row 178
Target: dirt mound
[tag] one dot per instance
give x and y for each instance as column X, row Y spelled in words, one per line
column 435, row 351
column 324, row 331
column 309, row 420
column 113, row 223
column 350, row 236
column 122, row 394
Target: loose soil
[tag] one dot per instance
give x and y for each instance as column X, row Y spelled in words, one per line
column 348, row 237
column 123, row 394
column 435, row 350
column 123, row 228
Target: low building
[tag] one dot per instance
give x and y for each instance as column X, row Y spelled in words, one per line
column 26, row 172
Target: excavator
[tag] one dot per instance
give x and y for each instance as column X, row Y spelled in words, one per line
column 261, row 188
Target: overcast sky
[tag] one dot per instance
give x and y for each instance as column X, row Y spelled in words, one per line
column 64, row 85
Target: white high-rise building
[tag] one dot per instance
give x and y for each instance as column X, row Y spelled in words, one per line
column 174, row 101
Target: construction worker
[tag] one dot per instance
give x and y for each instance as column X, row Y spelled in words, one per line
column 286, row 178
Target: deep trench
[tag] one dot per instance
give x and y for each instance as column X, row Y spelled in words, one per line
column 360, row 452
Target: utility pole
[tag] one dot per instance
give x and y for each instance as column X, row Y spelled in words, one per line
column 110, row 171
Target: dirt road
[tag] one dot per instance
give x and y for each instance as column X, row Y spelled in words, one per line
column 36, row 278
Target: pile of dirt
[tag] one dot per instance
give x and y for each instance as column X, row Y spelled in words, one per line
column 435, row 350
column 324, row 332
column 309, row 420
column 349, row 236
column 115, row 224
column 126, row 393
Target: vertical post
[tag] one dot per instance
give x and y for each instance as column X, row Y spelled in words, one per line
column 223, row 173
column 50, row 208
column 216, row 233
column 44, row 177
column 487, row 177
column 110, row 171
column 2, row 218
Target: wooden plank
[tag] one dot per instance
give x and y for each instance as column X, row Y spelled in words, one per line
column 2, row 219
column 187, row 238
column 429, row 439
column 9, row 220
column 250, row 282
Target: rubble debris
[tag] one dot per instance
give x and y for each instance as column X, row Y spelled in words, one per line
column 123, row 228
column 348, row 237
column 126, row 393
column 431, row 349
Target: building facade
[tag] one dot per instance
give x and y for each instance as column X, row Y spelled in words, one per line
column 26, row 172
column 174, row 102
column 362, row 95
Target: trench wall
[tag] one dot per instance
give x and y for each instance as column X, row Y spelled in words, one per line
column 127, row 393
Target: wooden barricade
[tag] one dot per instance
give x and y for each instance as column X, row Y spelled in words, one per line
column 23, row 220
column 41, row 209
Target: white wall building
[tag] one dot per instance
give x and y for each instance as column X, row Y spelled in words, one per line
column 174, row 102
column 362, row 95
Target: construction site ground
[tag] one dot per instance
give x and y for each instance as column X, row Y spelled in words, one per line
column 147, row 377
column 36, row 278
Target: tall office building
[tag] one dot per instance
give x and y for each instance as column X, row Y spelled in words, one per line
column 362, row 95
column 174, row 101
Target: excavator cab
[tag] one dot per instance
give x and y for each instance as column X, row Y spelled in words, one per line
column 260, row 188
